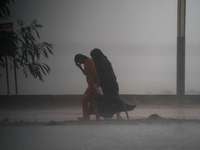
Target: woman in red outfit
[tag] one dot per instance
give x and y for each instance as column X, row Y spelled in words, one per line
column 90, row 94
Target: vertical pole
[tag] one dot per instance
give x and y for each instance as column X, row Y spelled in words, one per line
column 8, row 88
column 126, row 110
column 15, row 72
column 181, row 52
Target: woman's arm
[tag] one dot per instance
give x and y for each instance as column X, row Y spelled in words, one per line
column 80, row 67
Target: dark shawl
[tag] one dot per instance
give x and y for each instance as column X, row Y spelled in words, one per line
column 109, row 103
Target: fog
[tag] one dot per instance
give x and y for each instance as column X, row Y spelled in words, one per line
column 180, row 136
column 138, row 37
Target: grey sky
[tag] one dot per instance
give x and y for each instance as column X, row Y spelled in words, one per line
column 138, row 36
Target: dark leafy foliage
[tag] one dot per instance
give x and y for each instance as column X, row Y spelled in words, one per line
column 30, row 51
column 4, row 11
column 8, row 46
column 23, row 48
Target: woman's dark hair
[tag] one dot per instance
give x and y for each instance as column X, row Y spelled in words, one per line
column 79, row 56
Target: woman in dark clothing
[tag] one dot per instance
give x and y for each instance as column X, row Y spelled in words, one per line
column 109, row 103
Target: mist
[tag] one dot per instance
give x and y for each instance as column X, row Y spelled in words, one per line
column 138, row 37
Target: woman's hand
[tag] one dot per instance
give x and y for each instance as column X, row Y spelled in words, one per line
column 78, row 65
column 98, row 84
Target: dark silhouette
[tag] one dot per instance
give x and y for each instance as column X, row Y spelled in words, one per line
column 110, row 102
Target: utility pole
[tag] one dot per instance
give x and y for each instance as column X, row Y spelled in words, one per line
column 15, row 73
column 7, row 76
column 181, row 52
column 8, row 27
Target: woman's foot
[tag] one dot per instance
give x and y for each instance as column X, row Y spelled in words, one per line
column 83, row 119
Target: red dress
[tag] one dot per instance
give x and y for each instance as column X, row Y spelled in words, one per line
column 90, row 95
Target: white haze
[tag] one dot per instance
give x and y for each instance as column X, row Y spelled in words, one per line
column 137, row 36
